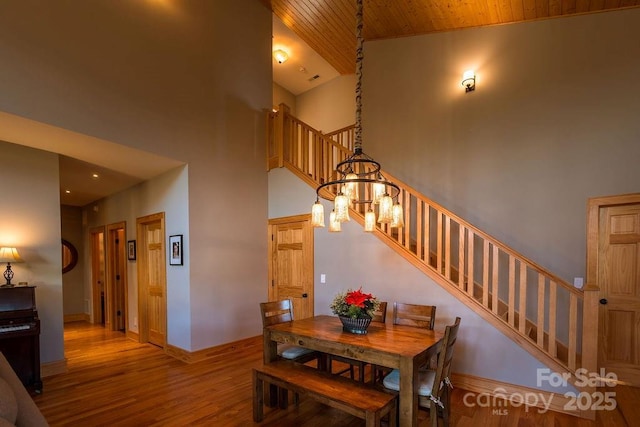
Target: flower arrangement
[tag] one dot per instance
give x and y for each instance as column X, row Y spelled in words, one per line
column 354, row 304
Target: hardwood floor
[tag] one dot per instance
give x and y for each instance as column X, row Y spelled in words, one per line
column 113, row 381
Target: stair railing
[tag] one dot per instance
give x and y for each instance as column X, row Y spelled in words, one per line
column 538, row 310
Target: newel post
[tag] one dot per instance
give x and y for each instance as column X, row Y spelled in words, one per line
column 590, row 311
column 279, row 132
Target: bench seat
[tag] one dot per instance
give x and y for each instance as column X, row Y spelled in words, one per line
column 355, row 398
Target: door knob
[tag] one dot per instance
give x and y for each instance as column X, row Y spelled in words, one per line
column 305, row 295
column 603, row 301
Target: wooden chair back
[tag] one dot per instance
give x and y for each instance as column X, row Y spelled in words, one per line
column 274, row 312
column 442, row 382
column 421, row 316
column 380, row 315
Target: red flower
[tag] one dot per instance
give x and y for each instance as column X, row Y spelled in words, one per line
column 357, row 298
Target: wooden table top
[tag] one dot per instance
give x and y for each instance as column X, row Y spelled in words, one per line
column 399, row 341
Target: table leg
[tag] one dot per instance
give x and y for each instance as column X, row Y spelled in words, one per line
column 269, row 354
column 408, row 396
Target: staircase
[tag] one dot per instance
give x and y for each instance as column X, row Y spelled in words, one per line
column 548, row 317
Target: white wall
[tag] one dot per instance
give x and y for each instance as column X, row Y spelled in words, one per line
column 283, row 96
column 148, row 75
column 552, row 122
column 31, row 223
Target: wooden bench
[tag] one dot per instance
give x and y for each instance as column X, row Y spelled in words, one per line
column 338, row 392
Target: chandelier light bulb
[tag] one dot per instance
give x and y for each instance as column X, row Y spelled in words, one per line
column 341, row 208
column 378, row 190
column 370, row 221
column 351, row 188
column 397, row 216
column 334, row 225
column 317, row 214
column 385, row 214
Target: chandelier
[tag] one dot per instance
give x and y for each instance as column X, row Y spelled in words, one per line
column 360, row 181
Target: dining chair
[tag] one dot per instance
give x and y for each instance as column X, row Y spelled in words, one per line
column 421, row 316
column 275, row 312
column 379, row 316
column 433, row 385
column 416, row 315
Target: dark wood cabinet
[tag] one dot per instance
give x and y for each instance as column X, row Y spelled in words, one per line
column 20, row 333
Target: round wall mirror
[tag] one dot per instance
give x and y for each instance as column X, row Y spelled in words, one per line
column 69, row 256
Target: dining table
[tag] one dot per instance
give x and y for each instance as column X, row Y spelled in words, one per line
column 405, row 348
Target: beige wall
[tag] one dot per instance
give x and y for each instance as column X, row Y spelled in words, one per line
column 553, row 121
column 73, row 281
column 330, row 106
column 148, row 75
column 31, row 223
column 283, row 96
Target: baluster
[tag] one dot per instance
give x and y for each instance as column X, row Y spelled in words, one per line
column 419, row 225
column 470, row 263
column 553, row 303
column 522, row 306
column 485, row 273
column 573, row 330
column 447, row 247
column 540, row 320
column 461, row 263
column 494, row 281
column 512, row 292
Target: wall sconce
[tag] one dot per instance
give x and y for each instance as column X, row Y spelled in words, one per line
column 469, row 81
column 280, row 55
column 9, row 255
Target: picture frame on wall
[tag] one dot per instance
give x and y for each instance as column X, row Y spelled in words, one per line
column 175, row 249
column 131, row 250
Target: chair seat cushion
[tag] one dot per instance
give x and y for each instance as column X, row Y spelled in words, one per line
column 292, row 351
column 425, row 381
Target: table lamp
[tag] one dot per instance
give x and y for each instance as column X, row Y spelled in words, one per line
column 9, row 255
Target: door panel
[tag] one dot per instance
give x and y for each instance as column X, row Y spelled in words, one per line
column 291, row 269
column 619, row 281
column 152, row 279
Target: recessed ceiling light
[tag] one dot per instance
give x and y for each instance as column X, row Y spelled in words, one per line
column 95, row 176
column 67, row 191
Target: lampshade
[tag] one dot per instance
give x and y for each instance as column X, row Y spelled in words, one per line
column 280, row 55
column 334, row 225
column 341, row 208
column 10, row 255
column 385, row 214
column 370, row 221
column 317, row 214
column 397, row 216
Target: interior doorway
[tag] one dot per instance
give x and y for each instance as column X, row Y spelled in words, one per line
column 613, row 265
column 98, row 273
column 291, row 263
column 152, row 286
column 116, row 278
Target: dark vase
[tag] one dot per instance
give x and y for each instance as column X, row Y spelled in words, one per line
column 355, row 326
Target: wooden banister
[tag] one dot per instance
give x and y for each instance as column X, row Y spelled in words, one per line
column 534, row 307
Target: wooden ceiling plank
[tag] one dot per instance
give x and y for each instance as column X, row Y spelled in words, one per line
column 517, row 9
column 582, row 6
column 568, row 7
column 542, row 8
column 314, row 38
column 529, row 7
column 338, row 41
column 502, row 11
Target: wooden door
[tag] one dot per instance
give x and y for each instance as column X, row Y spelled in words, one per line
column 97, row 275
column 619, row 282
column 152, row 279
column 116, row 281
column 291, row 263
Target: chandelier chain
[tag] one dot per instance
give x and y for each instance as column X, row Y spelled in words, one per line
column 359, row 58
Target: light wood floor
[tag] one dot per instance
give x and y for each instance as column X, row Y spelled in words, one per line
column 113, row 381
